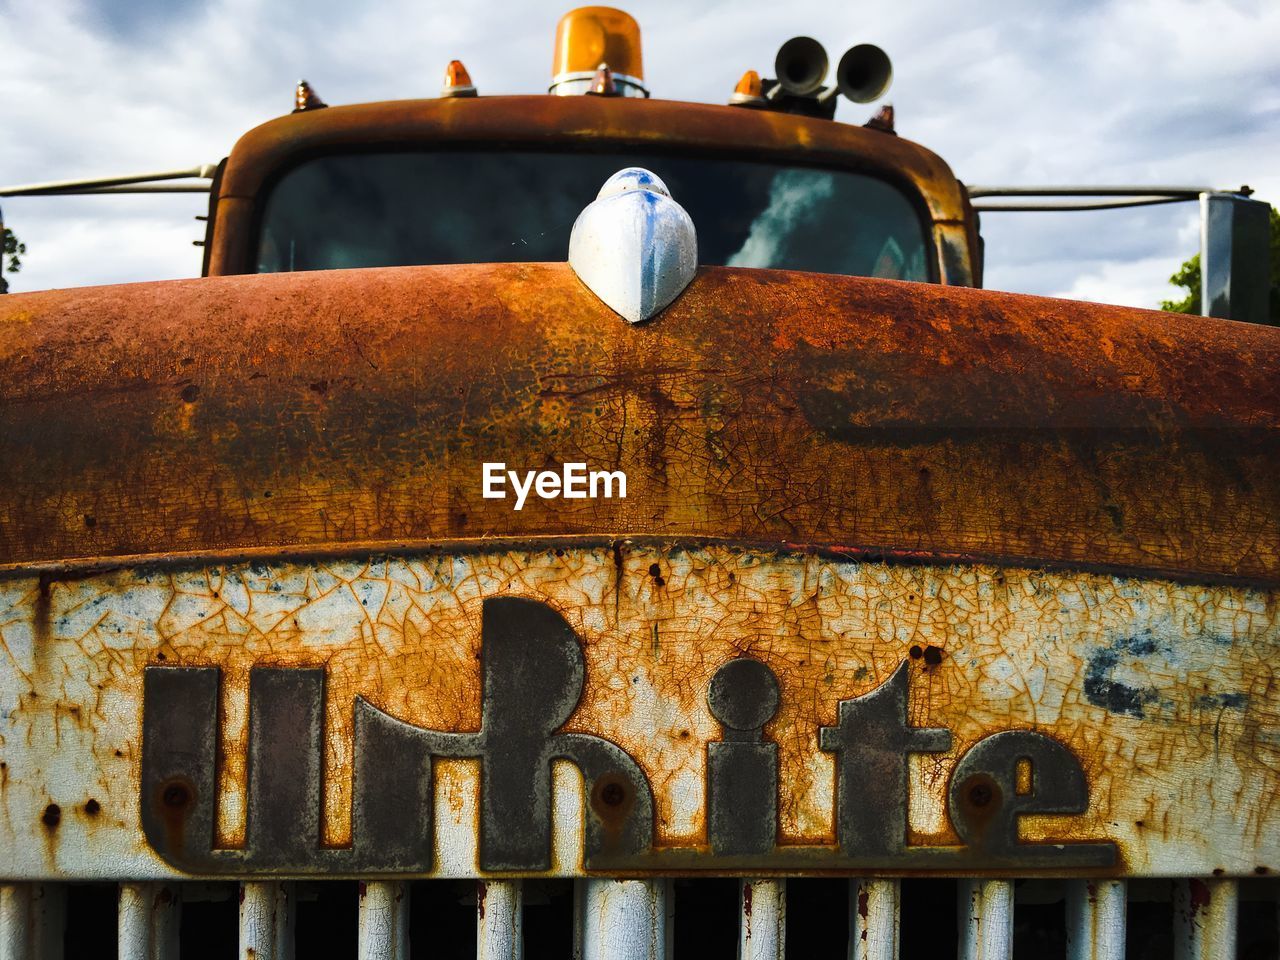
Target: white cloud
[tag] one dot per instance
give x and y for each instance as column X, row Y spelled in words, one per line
column 1137, row 91
column 1136, row 282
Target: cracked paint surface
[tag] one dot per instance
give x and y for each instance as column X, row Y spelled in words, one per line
column 1165, row 691
column 330, row 407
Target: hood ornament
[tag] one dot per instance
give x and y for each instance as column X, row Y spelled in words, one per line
column 633, row 246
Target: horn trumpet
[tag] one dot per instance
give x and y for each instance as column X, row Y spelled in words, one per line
column 864, row 73
column 801, row 66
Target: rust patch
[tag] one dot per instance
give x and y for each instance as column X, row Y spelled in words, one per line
column 612, row 800
column 1200, row 896
column 980, row 799
column 173, row 799
column 1036, row 420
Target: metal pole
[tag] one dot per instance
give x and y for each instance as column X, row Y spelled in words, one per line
column 48, row 920
column 266, row 920
column 203, row 172
column 499, row 920
column 626, row 920
column 15, row 921
column 1096, row 913
column 133, row 922
column 1204, row 919
column 1042, row 207
column 762, row 928
column 1123, row 190
column 875, row 910
column 384, row 920
column 986, row 919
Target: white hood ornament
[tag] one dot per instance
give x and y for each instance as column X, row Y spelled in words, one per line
column 633, row 246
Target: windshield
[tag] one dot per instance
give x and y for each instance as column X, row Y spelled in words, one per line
column 395, row 209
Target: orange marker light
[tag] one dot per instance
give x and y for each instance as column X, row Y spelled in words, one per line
column 304, row 98
column 749, row 92
column 883, row 120
column 590, row 36
column 457, row 82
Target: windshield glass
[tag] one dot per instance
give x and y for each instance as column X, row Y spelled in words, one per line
column 394, row 209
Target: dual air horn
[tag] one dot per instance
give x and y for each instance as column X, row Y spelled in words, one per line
column 863, row 74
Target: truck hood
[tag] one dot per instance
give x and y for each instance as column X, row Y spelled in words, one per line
column 308, row 412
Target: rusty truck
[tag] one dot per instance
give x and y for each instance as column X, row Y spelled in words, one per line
column 582, row 524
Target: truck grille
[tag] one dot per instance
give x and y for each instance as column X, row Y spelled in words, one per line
column 601, row 919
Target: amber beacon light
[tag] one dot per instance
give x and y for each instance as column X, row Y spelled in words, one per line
column 591, row 38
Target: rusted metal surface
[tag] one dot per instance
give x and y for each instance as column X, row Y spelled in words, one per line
column 1095, row 914
column 384, row 920
column 33, row 918
column 15, row 922
column 626, row 920
column 986, row 920
column 879, row 418
column 1204, row 919
column 762, row 926
column 148, row 921
column 875, row 919
column 267, row 914
column 579, row 123
column 1163, row 693
column 499, row 920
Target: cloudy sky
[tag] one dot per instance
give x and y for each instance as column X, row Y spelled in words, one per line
column 1148, row 91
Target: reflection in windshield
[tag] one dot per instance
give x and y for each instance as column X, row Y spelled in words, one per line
column 392, row 209
column 796, row 199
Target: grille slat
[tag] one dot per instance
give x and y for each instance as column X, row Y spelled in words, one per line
column 148, row 916
column 986, row 919
column 384, row 920
column 1219, row 919
column 762, row 927
column 499, row 920
column 1096, row 916
column 267, row 911
column 623, row 920
column 32, row 921
column 15, row 921
column 1204, row 919
column 875, row 910
column 133, row 922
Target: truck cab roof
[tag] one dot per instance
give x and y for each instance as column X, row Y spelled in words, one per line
column 581, row 125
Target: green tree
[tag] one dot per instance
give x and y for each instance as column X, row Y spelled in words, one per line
column 1188, row 276
column 14, row 249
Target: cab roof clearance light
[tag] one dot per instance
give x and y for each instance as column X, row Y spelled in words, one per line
column 590, row 39
column 304, row 98
column 749, row 92
column 457, row 82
